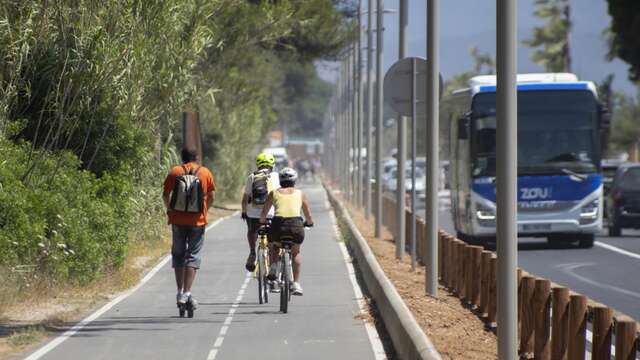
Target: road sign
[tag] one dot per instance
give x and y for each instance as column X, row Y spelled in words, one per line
column 397, row 86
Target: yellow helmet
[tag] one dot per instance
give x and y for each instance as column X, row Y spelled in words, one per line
column 264, row 159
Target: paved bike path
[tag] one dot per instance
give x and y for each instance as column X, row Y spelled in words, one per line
column 229, row 323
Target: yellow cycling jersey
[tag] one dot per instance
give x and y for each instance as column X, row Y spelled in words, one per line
column 287, row 205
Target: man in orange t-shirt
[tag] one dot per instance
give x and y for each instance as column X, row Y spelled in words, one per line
column 187, row 228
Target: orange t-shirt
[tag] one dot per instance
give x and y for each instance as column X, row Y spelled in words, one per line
column 208, row 185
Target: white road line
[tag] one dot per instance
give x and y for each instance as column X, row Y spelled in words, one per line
column 106, row 307
column 227, row 321
column 372, row 333
column 617, row 249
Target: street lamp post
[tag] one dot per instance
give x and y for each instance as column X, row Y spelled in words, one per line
column 401, row 153
column 379, row 115
column 506, row 179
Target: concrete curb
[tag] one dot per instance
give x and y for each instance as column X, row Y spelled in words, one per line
column 409, row 341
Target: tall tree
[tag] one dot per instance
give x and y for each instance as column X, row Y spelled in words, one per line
column 552, row 39
column 624, row 42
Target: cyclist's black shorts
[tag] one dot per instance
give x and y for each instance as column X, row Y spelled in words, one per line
column 292, row 227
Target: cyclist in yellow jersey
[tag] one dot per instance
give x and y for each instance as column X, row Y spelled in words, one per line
column 289, row 204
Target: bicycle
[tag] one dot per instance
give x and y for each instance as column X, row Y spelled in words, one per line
column 262, row 269
column 285, row 269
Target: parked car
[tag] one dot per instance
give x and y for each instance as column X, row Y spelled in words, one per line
column 623, row 200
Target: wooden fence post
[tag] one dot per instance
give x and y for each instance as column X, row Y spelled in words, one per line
column 468, row 274
column 491, row 319
column 476, row 275
column 602, row 332
column 484, row 294
column 542, row 307
column 527, row 325
column 577, row 326
column 460, row 271
column 626, row 346
column 560, row 333
column 451, row 263
column 441, row 254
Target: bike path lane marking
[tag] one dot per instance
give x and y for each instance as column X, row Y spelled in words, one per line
column 106, row 307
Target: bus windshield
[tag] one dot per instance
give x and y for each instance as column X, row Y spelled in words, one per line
column 557, row 133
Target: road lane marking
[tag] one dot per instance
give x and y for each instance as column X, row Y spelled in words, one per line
column 617, row 249
column 372, row 333
column 106, row 307
column 228, row 320
column 570, row 269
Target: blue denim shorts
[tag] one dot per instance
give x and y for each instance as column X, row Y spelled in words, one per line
column 187, row 243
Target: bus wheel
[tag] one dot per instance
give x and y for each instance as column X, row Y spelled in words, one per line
column 586, row 241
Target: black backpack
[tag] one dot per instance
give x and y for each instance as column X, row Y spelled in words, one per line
column 260, row 188
column 187, row 194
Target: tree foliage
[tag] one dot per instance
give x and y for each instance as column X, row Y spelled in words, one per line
column 623, row 40
column 91, row 95
column 552, row 39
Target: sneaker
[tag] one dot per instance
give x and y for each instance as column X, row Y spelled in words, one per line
column 182, row 298
column 296, row 289
column 192, row 301
column 251, row 262
column 274, row 287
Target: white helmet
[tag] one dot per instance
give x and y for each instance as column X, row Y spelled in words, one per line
column 288, row 174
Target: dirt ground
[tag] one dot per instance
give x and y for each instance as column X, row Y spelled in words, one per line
column 28, row 321
column 455, row 330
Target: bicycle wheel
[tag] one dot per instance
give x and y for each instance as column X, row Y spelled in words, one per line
column 285, row 292
column 265, row 282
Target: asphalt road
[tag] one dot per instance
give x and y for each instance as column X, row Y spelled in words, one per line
column 230, row 324
column 608, row 273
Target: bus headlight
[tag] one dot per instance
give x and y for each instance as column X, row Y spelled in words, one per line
column 589, row 212
column 486, row 216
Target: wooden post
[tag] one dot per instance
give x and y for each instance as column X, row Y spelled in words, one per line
column 484, row 295
column 450, row 262
column 519, row 274
column 527, row 289
column 577, row 326
column 453, row 280
column 468, row 274
column 460, row 270
column 542, row 307
column 493, row 293
column 441, row 253
column 626, row 346
column 476, row 274
column 560, row 333
column 602, row 332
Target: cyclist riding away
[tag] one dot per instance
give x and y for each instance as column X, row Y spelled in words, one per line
column 288, row 202
column 189, row 191
column 256, row 190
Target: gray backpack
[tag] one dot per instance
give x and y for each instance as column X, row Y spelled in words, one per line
column 187, row 194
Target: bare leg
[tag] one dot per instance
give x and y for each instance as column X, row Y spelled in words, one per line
column 297, row 261
column 251, row 238
column 179, row 271
column 189, row 276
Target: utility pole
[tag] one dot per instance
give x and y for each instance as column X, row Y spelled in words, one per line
column 506, row 179
column 379, row 115
column 369, row 125
column 433, row 166
column 359, row 201
column 401, row 153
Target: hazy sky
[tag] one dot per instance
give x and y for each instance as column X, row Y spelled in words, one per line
column 467, row 23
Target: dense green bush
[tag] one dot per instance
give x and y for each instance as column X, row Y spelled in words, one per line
column 65, row 222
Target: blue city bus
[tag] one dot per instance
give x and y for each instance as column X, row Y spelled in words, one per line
column 560, row 125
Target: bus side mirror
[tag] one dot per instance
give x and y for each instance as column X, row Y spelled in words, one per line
column 604, row 117
column 463, row 127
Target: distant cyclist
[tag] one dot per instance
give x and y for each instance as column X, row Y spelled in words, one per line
column 189, row 191
column 259, row 184
column 288, row 203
